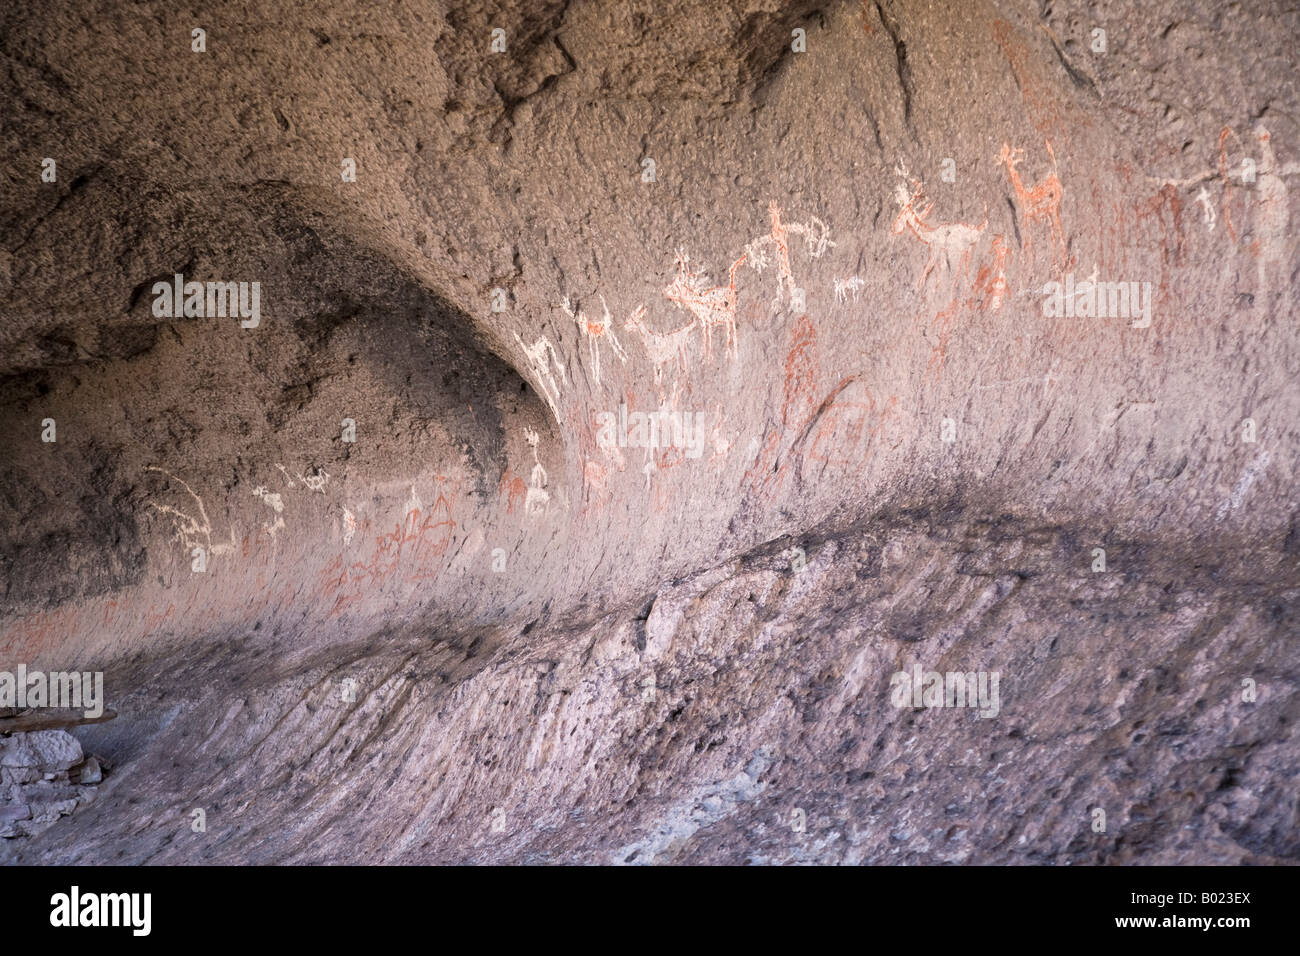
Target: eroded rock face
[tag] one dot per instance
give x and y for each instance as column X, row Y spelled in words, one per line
column 44, row 775
column 968, row 346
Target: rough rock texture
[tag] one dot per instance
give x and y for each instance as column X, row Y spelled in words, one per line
column 494, row 627
column 41, row 777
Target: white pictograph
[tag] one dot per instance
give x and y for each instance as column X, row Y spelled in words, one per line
column 1272, row 216
column 316, row 482
column 664, row 348
column 273, row 501
column 1208, row 215
column 761, row 251
column 950, row 243
column 709, row 305
column 192, row 532
column 844, row 288
column 597, row 331
column 538, row 497
column 541, row 354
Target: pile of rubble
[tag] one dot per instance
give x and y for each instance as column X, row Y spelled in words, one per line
column 43, row 775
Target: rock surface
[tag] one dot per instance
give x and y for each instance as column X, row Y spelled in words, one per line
column 38, row 773
column 384, row 576
column 49, row 750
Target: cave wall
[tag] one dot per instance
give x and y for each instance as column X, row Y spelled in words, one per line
column 831, row 259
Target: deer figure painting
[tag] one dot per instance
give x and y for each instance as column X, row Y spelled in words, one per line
column 710, row 306
column 948, row 242
column 596, row 331
column 1040, row 204
column 662, row 347
column 846, row 287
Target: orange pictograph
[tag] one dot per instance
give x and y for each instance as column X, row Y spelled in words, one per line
column 939, row 353
column 776, row 243
column 411, row 552
column 850, row 422
column 710, row 306
column 768, row 473
column 951, row 246
column 989, row 291
column 424, row 538
column 593, row 485
column 596, row 331
column 514, row 490
column 1224, row 134
column 950, row 243
column 1042, row 203
column 1165, row 208
column 31, row 634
